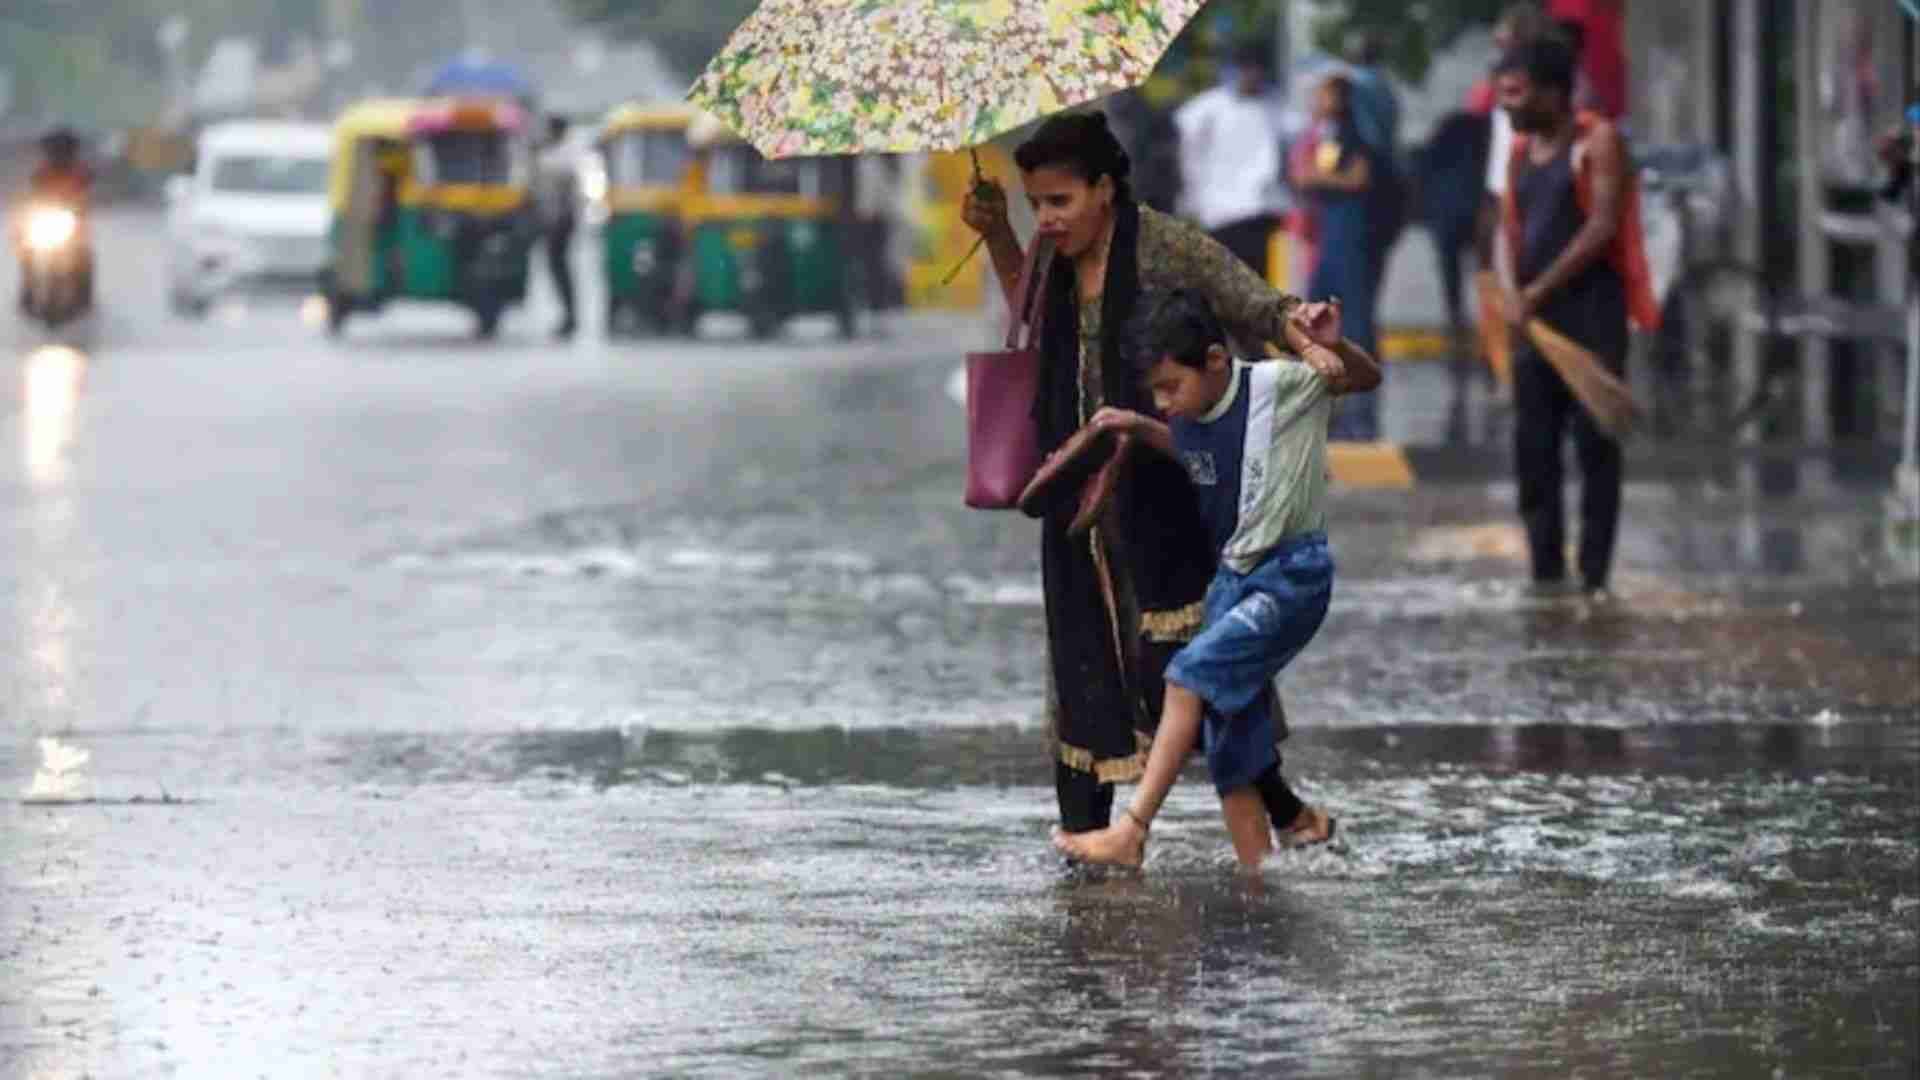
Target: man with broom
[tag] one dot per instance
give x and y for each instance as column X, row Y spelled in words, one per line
column 1571, row 232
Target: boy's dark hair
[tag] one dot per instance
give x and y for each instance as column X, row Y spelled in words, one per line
column 1179, row 325
column 1081, row 143
column 1546, row 61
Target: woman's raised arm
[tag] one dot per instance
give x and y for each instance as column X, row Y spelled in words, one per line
column 1253, row 312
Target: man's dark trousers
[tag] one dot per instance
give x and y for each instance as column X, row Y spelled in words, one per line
column 1544, row 410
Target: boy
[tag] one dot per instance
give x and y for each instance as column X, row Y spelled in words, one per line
column 1253, row 437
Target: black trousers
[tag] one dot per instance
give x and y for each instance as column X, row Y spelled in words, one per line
column 1545, row 412
column 559, row 243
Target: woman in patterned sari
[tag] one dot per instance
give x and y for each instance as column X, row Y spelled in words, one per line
column 1124, row 597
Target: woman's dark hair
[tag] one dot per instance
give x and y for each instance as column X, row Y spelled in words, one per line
column 1178, row 325
column 1343, row 86
column 1345, row 126
column 1547, row 62
column 1082, row 144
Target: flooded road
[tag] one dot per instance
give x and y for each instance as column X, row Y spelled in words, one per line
column 401, row 706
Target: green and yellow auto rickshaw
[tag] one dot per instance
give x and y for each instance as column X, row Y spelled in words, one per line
column 768, row 239
column 648, row 173
column 432, row 200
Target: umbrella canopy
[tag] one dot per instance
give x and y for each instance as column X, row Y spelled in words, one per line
column 473, row 75
column 803, row 77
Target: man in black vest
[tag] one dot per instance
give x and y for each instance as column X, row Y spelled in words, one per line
column 1566, row 200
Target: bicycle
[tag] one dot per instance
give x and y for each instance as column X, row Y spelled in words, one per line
column 1712, row 302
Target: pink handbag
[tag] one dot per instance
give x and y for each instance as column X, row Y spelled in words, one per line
column 1003, row 442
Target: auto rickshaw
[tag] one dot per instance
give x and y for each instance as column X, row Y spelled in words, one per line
column 432, row 200
column 767, row 238
column 649, row 171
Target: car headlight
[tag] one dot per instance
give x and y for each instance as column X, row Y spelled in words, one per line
column 50, row 228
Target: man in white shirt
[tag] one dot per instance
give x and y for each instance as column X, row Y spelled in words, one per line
column 1230, row 160
column 557, row 201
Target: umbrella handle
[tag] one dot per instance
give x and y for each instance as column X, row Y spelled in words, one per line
column 979, row 182
column 962, row 265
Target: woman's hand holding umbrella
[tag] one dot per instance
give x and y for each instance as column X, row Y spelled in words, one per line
column 985, row 211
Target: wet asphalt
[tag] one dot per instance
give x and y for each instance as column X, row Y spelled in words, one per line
column 405, row 706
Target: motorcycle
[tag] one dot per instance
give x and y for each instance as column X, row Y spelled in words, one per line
column 53, row 264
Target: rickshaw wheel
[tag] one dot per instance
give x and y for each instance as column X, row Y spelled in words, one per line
column 849, row 320
column 765, row 325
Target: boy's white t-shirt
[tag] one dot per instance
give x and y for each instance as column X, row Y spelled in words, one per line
column 1258, row 458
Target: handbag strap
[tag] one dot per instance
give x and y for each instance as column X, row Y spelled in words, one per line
column 1030, row 296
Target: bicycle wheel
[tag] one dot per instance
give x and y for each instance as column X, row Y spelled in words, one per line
column 1710, row 316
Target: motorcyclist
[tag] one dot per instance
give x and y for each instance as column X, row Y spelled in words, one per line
column 63, row 178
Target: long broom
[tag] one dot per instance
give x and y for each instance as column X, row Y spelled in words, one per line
column 1599, row 391
column 1494, row 340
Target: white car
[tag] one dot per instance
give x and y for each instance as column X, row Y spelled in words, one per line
column 253, row 216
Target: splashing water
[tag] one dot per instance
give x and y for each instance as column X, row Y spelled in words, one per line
column 61, row 776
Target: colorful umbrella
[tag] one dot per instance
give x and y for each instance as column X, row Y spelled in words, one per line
column 807, row 77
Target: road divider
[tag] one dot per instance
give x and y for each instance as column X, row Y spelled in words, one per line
column 1370, row 465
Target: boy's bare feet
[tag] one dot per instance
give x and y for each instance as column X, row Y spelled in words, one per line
column 1124, row 843
column 1310, row 826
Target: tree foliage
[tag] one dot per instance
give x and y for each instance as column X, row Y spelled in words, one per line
column 687, row 32
column 1411, row 32
column 99, row 61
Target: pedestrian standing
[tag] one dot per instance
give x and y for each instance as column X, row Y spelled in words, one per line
column 1570, row 225
column 1335, row 172
column 1376, row 108
column 1230, row 160
column 1253, row 439
column 1376, row 122
column 1122, row 598
column 557, row 202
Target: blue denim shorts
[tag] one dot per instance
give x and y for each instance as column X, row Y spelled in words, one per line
column 1255, row 624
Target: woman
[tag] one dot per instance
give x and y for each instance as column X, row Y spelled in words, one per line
column 1121, row 600
column 1335, row 172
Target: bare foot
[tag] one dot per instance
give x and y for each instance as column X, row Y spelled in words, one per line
column 1120, row 844
column 1310, row 826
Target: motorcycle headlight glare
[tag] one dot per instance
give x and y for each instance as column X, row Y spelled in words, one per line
column 50, row 228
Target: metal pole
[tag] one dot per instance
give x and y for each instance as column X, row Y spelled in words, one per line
column 1907, row 476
